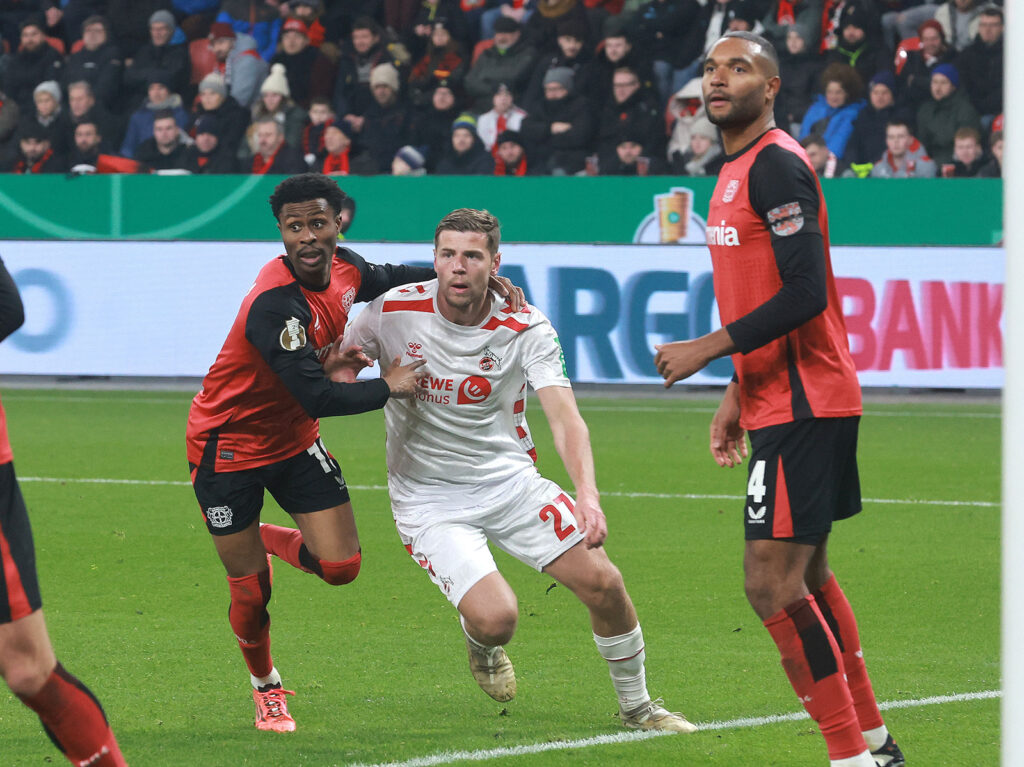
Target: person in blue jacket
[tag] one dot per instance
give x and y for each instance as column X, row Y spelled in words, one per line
column 832, row 113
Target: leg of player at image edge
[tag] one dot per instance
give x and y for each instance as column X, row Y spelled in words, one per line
column 251, row 623
column 74, row 721
column 813, row 660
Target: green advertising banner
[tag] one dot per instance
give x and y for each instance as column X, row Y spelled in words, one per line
column 560, row 209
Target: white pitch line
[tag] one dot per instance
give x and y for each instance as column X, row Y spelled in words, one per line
column 16, row 394
column 867, row 413
column 450, row 757
column 610, row 493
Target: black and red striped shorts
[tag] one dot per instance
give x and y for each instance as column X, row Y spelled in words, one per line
column 801, row 478
column 19, row 586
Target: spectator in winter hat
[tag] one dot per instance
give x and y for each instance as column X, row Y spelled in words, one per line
column 159, row 57
column 867, row 142
column 48, row 113
column 916, row 74
column 408, row 162
column 387, row 124
column 235, row 56
column 465, row 155
column 310, row 73
column 511, row 157
column 207, row 155
column 275, row 101
column 631, row 157
column 948, row 110
column 560, row 130
column 800, row 67
column 214, row 100
column 704, row 156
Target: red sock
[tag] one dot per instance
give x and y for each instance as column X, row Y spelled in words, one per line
column 286, row 543
column 839, row 616
column 814, row 666
column 75, row 721
column 250, row 620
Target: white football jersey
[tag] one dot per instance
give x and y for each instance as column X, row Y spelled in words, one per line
column 467, row 425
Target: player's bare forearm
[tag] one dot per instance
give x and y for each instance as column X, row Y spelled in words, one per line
column 681, row 359
column 572, row 442
column 727, row 444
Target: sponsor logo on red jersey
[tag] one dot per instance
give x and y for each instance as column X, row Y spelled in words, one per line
column 723, row 235
column 730, row 190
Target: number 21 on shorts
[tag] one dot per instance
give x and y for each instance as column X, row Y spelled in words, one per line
column 551, row 512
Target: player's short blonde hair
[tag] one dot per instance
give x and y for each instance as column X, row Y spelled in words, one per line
column 471, row 220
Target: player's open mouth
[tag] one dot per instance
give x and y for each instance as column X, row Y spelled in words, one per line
column 718, row 98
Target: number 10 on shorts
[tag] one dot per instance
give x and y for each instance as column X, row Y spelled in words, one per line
column 551, row 512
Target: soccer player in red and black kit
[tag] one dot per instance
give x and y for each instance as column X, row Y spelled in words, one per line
column 795, row 391
column 70, row 713
column 254, row 424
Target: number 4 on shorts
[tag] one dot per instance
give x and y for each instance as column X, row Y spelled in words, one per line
column 755, row 485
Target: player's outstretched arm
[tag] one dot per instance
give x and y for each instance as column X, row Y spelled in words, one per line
column 403, row 381
column 728, row 447
column 572, row 441
column 681, row 359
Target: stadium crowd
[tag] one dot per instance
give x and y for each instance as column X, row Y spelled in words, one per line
column 880, row 88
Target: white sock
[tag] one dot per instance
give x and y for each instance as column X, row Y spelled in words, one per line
column 876, row 738
column 272, row 678
column 625, row 656
column 860, row 760
column 472, row 640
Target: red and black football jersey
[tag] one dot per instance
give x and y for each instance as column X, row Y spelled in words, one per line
column 768, row 237
column 262, row 398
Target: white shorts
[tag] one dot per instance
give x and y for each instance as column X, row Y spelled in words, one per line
column 531, row 519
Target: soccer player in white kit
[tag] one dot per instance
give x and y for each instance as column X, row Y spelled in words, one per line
column 461, row 463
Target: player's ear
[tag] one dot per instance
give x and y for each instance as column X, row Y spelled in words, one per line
column 497, row 262
column 772, row 87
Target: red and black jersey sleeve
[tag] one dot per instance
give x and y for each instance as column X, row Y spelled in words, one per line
column 784, row 193
column 277, row 326
column 378, row 279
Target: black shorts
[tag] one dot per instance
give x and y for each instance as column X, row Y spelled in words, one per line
column 801, row 478
column 310, row 480
column 19, row 586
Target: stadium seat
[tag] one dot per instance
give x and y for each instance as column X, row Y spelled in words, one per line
column 903, row 51
column 479, row 48
column 203, row 60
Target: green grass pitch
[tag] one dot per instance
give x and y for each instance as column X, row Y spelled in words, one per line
column 137, row 603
